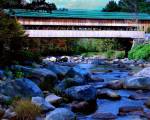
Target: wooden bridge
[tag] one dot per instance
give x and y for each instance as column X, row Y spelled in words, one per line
column 80, row 23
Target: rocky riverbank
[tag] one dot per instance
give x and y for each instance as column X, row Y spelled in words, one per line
column 68, row 88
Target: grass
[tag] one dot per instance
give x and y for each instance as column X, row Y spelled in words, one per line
column 26, row 110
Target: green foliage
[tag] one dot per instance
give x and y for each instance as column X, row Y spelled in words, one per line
column 8, row 73
column 26, row 110
column 90, row 54
column 12, row 39
column 128, row 6
column 110, row 54
column 120, row 54
column 140, row 52
column 112, row 6
column 29, row 55
column 148, row 30
column 97, row 45
column 19, row 74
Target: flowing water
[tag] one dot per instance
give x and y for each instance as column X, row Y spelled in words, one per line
column 110, row 73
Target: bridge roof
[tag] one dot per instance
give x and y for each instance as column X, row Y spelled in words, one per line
column 79, row 14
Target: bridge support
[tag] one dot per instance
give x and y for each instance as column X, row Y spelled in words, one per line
column 137, row 42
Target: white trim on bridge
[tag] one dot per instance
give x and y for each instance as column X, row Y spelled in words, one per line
column 85, row 33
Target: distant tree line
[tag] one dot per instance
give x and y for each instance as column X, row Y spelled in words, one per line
column 128, row 6
column 33, row 5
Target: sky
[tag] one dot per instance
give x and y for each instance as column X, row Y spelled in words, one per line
column 80, row 4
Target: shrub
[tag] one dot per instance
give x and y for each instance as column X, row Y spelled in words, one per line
column 140, row 52
column 120, row 54
column 19, row 74
column 148, row 29
column 26, row 55
column 110, row 54
column 25, row 110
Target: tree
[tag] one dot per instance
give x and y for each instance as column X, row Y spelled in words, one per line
column 11, row 3
column 133, row 6
column 12, row 39
column 41, row 5
column 112, row 6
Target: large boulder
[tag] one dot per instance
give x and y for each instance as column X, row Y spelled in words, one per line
column 144, row 73
column 46, row 78
column 69, row 82
column 82, row 93
column 137, row 83
column 42, row 103
column 61, row 71
column 20, row 87
column 43, row 77
column 60, row 114
column 77, row 70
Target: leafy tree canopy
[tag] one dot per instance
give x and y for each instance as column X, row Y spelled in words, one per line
column 128, row 6
column 112, row 6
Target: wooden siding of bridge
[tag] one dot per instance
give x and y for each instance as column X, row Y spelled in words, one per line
column 83, row 22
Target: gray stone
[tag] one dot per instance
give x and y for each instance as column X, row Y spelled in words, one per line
column 144, row 73
column 137, row 83
column 43, row 77
column 61, row 71
column 4, row 98
column 104, row 116
column 10, row 114
column 131, row 110
column 20, row 87
column 53, row 99
column 83, row 93
column 60, row 114
column 69, row 82
column 44, row 105
column 108, row 94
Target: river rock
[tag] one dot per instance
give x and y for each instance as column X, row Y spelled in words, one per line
column 52, row 59
column 42, row 103
column 61, row 71
column 10, row 114
column 83, row 93
column 147, row 103
column 116, row 84
column 127, row 61
column 4, row 98
column 20, row 87
column 60, row 114
column 137, row 83
column 2, row 112
column 43, row 77
column 77, row 71
column 144, row 73
column 83, row 107
column 2, row 76
column 54, row 99
column 131, row 110
column 64, row 59
column 104, row 116
column 47, row 78
column 69, row 82
column 108, row 94
column 138, row 97
column 94, row 78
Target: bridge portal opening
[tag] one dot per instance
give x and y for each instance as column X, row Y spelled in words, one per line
column 77, row 46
